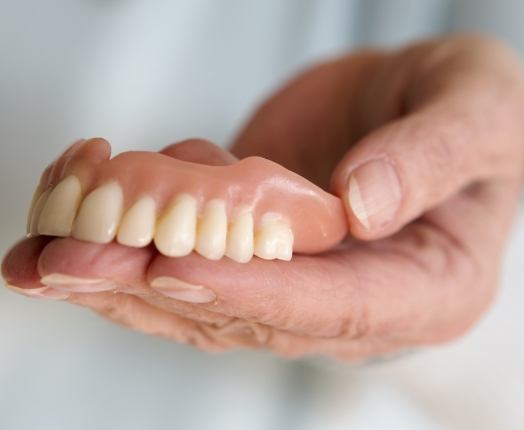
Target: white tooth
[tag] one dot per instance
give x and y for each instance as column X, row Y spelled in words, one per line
column 212, row 231
column 274, row 239
column 58, row 214
column 240, row 237
column 138, row 224
column 36, row 196
column 39, row 205
column 100, row 214
column 176, row 229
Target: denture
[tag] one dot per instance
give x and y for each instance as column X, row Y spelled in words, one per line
column 253, row 207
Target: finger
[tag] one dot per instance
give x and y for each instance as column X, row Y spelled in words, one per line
column 95, row 150
column 19, row 266
column 19, row 270
column 73, row 266
column 78, row 266
column 199, row 151
column 463, row 128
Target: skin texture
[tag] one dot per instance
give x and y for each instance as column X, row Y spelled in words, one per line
column 446, row 115
column 254, row 182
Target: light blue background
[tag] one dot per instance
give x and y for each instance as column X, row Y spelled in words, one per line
column 144, row 74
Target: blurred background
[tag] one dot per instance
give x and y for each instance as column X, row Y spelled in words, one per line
column 144, row 74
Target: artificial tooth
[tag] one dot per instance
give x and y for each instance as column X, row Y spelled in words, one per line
column 212, row 231
column 34, row 199
column 100, row 214
column 176, row 229
column 37, row 210
column 138, row 224
column 240, row 237
column 58, row 213
column 274, row 239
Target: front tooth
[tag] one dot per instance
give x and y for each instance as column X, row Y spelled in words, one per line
column 35, row 216
column 138, row 225
column 274, row 239
column 58, row 214
column 34, row 199
column 240, row 237
column 176, row 229
column 212, row 231
column 100, row 214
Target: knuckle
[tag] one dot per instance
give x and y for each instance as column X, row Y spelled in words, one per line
column 356, row 325
column 354, row 320
column 273, row 313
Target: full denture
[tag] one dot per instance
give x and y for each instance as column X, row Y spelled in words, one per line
column 253, row 207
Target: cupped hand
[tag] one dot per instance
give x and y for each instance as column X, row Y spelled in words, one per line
column 426, row 148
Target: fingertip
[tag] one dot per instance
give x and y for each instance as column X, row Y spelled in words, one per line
column 70, row 258
column 95, row 148
column 40, row 292
column 371, row 189
column 199, row 151
column 19, row 266
column 373, row 197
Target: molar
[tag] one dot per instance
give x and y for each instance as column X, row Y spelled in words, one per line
column 176, row 229
column 100, row 214
column 240, row 245
column 59, row 211
column 274, row 239
column 212, row 231
column 138, row 224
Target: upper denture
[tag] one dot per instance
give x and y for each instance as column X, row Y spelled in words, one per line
column 251, row 207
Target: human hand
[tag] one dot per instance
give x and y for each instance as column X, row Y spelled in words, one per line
column 423, row 263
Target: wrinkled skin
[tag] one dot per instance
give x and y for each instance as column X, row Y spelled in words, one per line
column 448, row 114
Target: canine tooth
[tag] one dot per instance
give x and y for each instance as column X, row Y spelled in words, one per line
column 240, row 245
column 100, row 214
column 176, row 229
column 274, row 239
column 34, row 199
column 58, row 213
column 39, row 205
column 138, row 224
column 212, row 231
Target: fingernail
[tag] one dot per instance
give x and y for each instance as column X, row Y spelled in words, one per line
column 180, row 290
column 40, row 293
column 60, row 281
column 374, row 194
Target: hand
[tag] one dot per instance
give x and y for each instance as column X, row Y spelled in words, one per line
column 424, row 145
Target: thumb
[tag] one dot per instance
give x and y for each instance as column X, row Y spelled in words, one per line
column 409, row 166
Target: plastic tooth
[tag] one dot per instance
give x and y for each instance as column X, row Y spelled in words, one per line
column 37, row 210
column 240, row 245
column 175, row 234
column 34, row 199
column 59, row 211
column 100, row 214
column 274, row 239
column 138, row 224
column 212, row 231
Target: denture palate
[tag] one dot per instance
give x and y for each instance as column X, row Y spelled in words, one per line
column 253, row 207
